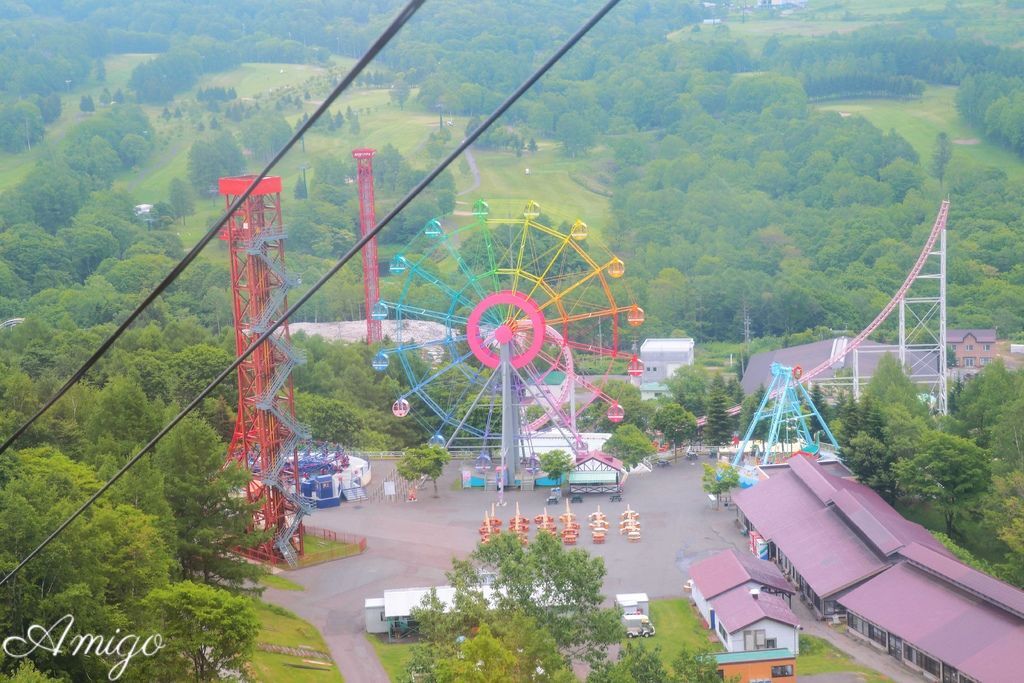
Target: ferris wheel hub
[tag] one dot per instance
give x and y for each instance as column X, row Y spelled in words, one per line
column 526, row 337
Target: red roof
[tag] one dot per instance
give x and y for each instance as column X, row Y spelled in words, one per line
column 796, row 492
column 978, row 639
column 602, row 458
column 956, row 336
column 738, row 608
column 731, row 568
column 775, row 503
column 1000, row 594
column 827, row 553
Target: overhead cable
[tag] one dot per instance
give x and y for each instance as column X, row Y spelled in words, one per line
column 407, row 12
column 356, row 248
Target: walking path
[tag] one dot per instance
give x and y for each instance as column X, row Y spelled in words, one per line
column 474, row 169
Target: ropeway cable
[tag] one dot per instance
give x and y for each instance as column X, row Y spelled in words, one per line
column 406, row 14
column 356, row 248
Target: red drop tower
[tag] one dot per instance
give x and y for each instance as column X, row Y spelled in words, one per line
column 266, row 432
column 368, row 219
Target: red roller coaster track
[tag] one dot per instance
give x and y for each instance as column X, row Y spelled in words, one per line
column 929, row 245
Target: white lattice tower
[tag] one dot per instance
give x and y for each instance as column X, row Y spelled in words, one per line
column 922, row 324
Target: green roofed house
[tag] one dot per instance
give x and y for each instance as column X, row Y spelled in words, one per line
column 757, row 665
column 597, row 472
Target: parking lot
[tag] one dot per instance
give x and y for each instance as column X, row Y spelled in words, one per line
column 412, row 544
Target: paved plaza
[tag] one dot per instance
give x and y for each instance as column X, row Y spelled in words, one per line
column 412, row 544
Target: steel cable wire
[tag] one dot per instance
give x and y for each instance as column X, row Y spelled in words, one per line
column 407, row 12
column 353, row 251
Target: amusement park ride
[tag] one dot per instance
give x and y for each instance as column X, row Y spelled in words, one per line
column 788, row 407
column 521, row 306
column 266, row 434
column 922, row 350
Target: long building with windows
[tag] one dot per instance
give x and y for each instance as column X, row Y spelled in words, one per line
column 851, row 556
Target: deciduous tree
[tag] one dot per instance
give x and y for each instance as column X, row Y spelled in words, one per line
column 424, row 461
column 207, row 632
column 630, row 445
column 949, row 470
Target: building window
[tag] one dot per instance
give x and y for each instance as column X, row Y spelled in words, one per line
column 985, row 360
column 908, row 653
column 878, row 635
column 722, row 631
column 771, row 643
column 968, row 362
column 928, row 664
column 754, row 640
column 968, row 347
column 782, row 671
column 987, row 347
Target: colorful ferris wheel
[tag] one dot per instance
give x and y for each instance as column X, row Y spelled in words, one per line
column 505, row 328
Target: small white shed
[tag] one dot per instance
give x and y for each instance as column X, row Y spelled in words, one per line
column 633, row 603
column 374, row 612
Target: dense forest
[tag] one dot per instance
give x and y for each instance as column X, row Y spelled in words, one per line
column 730, row 194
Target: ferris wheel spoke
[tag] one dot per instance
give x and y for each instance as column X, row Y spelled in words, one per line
column 462, row 423
column 445, row 341
column 545, row 287
column 598, row 350
column 596, row 273
column 463, row 266
column 453, row 295
column 416, row 313
column 565, row 239
column 590, row 315
column 557, row 414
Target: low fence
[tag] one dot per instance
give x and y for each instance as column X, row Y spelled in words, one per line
column 467, row 454
column 354, row 545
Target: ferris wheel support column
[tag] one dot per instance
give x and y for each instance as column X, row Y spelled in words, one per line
column 509, row 419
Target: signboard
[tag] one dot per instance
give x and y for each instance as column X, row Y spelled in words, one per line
column 389, row 488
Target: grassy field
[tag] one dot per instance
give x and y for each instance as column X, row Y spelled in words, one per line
column 280, row 583
column 563, row 187
column 677, row 624
column 394, row 657
column 988, row 21
column 281, row 627
column 818, row 656
column 920, row 121
column 319, row 550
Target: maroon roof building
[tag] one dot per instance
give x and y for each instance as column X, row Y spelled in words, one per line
column 851, row 555
column 745, row 601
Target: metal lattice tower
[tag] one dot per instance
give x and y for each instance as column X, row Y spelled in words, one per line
column 922, row 315
column 367, row 219
column 789, row 406
column 266, row 432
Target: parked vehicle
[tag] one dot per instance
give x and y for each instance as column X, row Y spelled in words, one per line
column 638, row 626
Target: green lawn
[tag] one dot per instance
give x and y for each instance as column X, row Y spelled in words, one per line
column 281, row 627
column 279, row 582
column 818, row 656
column 563, row 187
column 677, row 624
column 318, row 550
column 982, row 19
column 394, row 657
column 920, row 121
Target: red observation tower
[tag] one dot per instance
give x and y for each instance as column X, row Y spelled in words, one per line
column 368, row 219
column 266, row 432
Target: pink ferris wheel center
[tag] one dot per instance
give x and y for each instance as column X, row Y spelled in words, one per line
column 512, row 306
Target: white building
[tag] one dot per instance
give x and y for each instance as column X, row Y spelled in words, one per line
column 745, row 601
column 633, row 603
column 750, row 620
column 660, row 359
